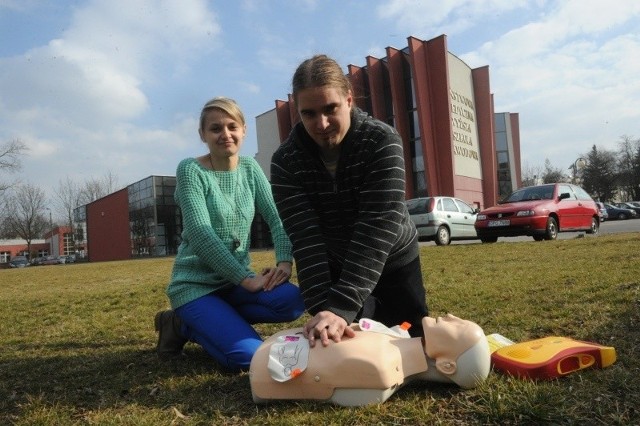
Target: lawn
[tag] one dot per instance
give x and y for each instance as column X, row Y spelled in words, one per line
column 78, row 343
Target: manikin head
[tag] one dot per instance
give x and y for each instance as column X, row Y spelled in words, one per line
column 457, row 348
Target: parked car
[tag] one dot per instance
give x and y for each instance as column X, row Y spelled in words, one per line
column 618, row 213
column 540, row 212
column 49, row 260
column 604, row 214
column 443, row 219
column 19, row 262
column 629, row 206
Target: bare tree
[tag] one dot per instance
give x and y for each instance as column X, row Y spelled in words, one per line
column 552, row 174
column 10, row 154
column 628, row 167
column 94, row 189
column 530, row 175
column 25, row 208
column 67, row 198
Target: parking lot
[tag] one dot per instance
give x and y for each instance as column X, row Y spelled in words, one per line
column 607, row 227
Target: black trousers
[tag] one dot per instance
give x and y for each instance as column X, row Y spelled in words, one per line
column 398, row 297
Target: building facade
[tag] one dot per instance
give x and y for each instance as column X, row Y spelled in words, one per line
column 57, row 242
column 442, row 108
column 137, row 221
column 454, row 144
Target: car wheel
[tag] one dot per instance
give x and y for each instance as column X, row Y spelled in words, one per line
column 551, row 232
column 622, row 216
column 595, row 226
column 443, row 237
column 489, row 239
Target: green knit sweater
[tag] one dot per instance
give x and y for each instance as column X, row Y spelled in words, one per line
column 217, row 210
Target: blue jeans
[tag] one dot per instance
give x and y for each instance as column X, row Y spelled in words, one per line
column 221, row 321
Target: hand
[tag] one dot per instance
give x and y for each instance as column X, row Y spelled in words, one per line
column 253, row 284
column 327, row 326
column 276, row 276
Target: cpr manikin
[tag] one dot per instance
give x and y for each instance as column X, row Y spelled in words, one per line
column 371, row 366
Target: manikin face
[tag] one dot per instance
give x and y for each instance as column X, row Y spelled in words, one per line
column 446, row 338
column 222, row 134
column 444, row 328
column 326, row 115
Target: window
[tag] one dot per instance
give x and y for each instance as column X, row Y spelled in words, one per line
column 5, row 256
column 567, row 189
column 464, row 207
column 582, row 194
column 449, row 205
column 417, row 207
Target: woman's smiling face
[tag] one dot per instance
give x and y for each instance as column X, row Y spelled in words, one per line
column 222, row 134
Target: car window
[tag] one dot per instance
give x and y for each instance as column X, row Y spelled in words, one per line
column 449, row 205
column 416, row 206
column 439, row 205
column 543, row 192
column 464, row 207
column 562, row 189
column 582, row 194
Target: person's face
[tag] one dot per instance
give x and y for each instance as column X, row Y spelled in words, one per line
column 326, row 114
column 222, row 134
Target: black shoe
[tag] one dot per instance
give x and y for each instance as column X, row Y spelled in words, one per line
column 170, row 341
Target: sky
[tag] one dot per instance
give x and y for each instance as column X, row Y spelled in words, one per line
column 94, row 87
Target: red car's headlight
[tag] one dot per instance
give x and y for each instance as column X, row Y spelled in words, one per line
column 525, row 213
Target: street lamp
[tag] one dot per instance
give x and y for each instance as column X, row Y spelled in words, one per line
column 50, row 232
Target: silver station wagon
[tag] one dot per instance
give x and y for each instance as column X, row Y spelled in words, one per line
column 443, row 219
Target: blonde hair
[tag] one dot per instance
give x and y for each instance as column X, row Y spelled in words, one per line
column 226, row 105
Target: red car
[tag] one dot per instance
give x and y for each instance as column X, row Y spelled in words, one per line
column 540, row 212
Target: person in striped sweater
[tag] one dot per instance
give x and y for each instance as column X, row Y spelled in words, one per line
column 339, row 185
column 215, row 296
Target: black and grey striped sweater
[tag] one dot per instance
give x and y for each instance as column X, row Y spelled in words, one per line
column 345, row 230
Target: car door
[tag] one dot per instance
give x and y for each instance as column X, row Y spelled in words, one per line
column 587, row 207
column 568, row 208
column 468, row 218
column 453, row 217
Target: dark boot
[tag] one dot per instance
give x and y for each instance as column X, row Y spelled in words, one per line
column 170, row 340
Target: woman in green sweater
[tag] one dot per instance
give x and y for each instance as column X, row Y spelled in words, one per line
column 214, row 295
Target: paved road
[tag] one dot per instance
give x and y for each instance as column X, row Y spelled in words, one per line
column 608, row 227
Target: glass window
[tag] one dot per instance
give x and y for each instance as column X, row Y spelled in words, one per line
column 449, row 205
column 500, row 125
column 464, row 207
column 567, row 189
column 419, row 184
column 5, row 256
column 581, row 193
column 501, row 141
column 416, row 206
column 503, row 160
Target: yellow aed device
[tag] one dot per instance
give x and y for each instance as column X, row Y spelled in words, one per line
column 551, row 357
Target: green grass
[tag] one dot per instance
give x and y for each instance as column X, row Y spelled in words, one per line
column 78, row 343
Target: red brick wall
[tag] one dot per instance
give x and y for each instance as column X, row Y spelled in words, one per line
column 108, row 233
